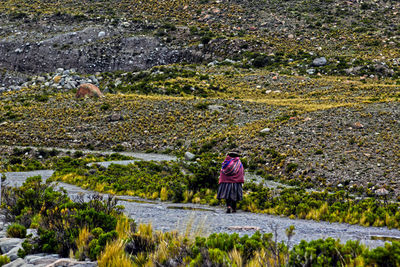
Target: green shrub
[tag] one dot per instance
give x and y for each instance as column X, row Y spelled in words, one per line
column 16, row 230
column 4, row 259
column 389, row 255
column 94, row 249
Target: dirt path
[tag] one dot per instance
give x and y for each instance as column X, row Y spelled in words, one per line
column 167, row 216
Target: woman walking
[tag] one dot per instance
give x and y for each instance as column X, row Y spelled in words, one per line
column 231, row 179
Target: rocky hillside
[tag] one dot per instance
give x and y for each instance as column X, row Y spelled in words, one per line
column 309, row 90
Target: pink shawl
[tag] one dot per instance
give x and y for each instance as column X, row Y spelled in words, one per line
column 232, row 171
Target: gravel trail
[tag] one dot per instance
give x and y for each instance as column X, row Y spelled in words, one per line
column 168, row 216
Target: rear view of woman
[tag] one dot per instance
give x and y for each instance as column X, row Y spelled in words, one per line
column 231, row 179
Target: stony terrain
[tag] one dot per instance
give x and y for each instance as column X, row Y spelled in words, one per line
column 308, row 90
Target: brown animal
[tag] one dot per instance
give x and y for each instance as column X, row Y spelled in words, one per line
column 88, row 89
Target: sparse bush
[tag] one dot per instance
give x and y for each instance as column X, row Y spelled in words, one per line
column 16, row 230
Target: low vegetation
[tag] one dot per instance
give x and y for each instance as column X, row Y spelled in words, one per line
column 30, row 159
column 97, row 229
column 166, row 181
column 58, row 220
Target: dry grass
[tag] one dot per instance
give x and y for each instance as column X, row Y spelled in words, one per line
column 123, row 227
column 82, row 243
column 114, row 255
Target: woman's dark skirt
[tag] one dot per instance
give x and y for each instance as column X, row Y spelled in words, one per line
column 232, row 191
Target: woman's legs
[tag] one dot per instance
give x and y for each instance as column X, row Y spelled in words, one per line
column 228, row 205
column 233, row 205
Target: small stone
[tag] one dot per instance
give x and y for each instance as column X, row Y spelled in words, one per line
column 265, row 130
column 215, row 107
column 268, row 91
column 69, row 86
column 358, row 125
column 382, row 192
column 290, row 36
column 60, row 70
column 57, row 79
column 101, row 34
column 319, row 62
column 310, row 71
column 40, row 79
column 189, row 156
column 229, row 61
column 125, row 24
column 115, row 117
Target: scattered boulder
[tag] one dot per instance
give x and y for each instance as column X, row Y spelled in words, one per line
column 215, row 107
column 101, row 34
column 189, row 156
column 265, row 130
column 6, row 244
column 319, row 62
column 382, row 192
column 310, row 71
column 88, row 89
column 358, row 125
column 57, row 79
column 115, row 117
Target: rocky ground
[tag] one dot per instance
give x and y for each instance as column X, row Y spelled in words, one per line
column 309, row 85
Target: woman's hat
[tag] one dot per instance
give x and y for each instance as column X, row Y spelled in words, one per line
column 234, row 153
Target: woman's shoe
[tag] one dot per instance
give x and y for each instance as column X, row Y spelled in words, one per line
column 228, row 210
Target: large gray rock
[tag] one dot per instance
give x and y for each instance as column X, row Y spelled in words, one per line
column 6, row 244
column 13, row 253
column 42, row 260
column 18, row 263
column 319, row 62
column 32, row 232
column 71, row 262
